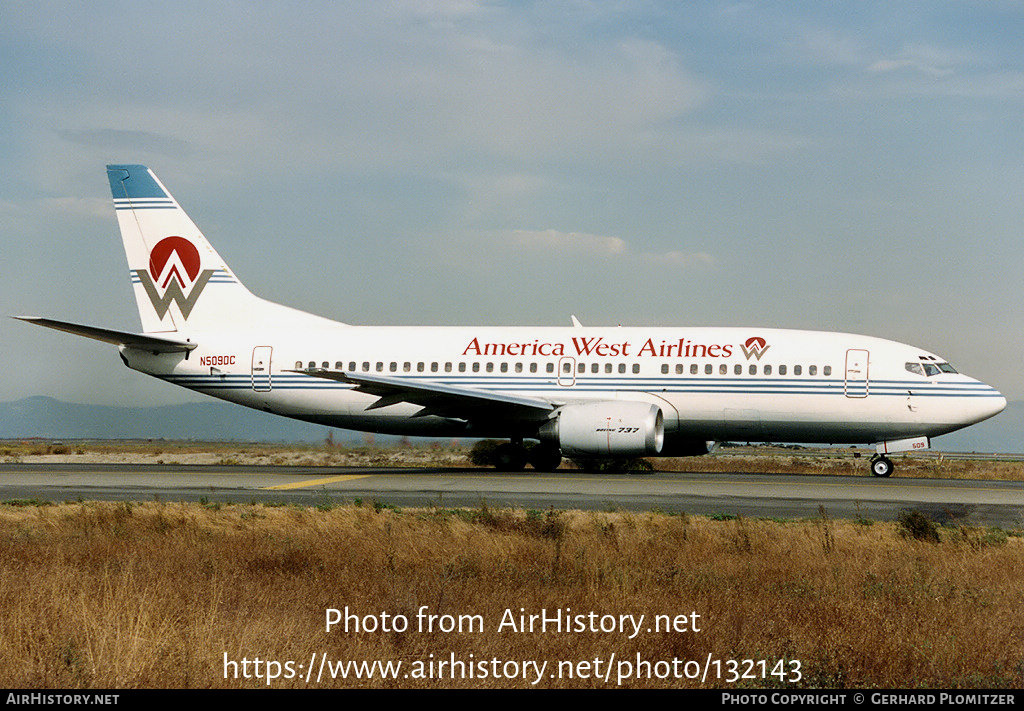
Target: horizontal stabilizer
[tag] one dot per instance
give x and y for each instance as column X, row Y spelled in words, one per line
column 148, row 342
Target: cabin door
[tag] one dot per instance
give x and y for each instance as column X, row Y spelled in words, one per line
column 856, row 373
column 261, row 369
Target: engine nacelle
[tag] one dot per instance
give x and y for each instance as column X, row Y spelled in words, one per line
column 607, row 429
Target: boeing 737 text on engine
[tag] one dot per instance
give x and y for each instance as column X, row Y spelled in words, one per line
column 580, row 392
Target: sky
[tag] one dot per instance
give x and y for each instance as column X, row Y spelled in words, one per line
column 848, row 166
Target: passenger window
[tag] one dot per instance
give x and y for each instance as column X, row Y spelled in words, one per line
column 827, row 370
column 519, row 367
column 636, row 368
column 812, row 370
column 767, row 370
column 339, row 366
column 797, row 370
column 550, row 368
column 504, row 367
column 419, row 367
column 406, row 367
column 723, row 369
column 393, row 367
column 448, row 367
column 567, row 367
column 782, row 370
column 462, row 367
column 366, row 366
column 708, row 369
column 693, row 368
column 325, row 365
column 607, row 367
column 582, row 368
column 433, row 367
column 312, row 364
column 533, row 367
column 490, row 367
column 622, row 367
column 753, row 370
column 679, row 368
column 664, row 369
column 476, row 367
column 380, row 366
column 298, row 365
column 352, row 365
column 737, row 369
column 595, row 368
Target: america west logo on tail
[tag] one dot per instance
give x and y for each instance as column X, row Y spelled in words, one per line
column 175, row 264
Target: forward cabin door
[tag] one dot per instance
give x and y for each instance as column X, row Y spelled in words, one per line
column 261, row 368
column 856, row 373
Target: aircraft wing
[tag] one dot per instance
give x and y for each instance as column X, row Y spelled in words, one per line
column 142, row 341
column 443, row 400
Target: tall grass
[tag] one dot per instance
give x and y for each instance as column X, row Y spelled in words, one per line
column 155, row 595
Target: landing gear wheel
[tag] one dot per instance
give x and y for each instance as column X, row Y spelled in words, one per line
column 510, row 457
column 545, row 457
column 881, row 466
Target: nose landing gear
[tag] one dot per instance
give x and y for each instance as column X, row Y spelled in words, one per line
column 881, row 466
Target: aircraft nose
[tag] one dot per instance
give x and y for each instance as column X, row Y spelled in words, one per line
column 998, row 403
column 992, row 404
column 985, row 403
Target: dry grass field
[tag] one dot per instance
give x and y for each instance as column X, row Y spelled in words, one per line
column 116, row 595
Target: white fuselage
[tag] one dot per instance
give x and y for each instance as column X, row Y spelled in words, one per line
column 747, row 384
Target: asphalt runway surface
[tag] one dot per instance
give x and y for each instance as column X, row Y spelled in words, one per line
column 783, row 496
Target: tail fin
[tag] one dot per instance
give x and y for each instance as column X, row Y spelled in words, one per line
column 180, row 281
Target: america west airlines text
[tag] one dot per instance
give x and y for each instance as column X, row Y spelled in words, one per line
column 597, row 346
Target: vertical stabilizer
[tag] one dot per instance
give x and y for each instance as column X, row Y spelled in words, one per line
column 180, row 281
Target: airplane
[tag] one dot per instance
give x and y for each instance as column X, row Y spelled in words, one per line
column 588, row 393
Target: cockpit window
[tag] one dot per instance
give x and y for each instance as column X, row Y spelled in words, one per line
column 930, row 369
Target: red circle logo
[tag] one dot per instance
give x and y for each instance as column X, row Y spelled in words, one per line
column 188, row 258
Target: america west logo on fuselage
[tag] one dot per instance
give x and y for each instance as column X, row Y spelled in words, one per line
column 174, row 276
column 755, row 347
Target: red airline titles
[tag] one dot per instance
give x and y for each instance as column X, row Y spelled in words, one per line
column 597, row 346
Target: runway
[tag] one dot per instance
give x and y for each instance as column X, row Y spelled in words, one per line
column 785, row 496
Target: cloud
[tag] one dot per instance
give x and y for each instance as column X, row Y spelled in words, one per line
column 579, row 242
column 584, row 245
column 122, row 140
column 678, row 258
column 931, row 61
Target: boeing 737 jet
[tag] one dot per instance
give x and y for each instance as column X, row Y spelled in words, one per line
column 580, row 392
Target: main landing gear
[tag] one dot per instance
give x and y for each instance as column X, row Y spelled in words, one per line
column 881, row 466
column 513, row 457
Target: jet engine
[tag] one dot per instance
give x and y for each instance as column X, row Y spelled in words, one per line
column 607, row 429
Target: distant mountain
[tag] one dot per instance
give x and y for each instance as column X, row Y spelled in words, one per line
column 52, row 419
column 214, row 420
